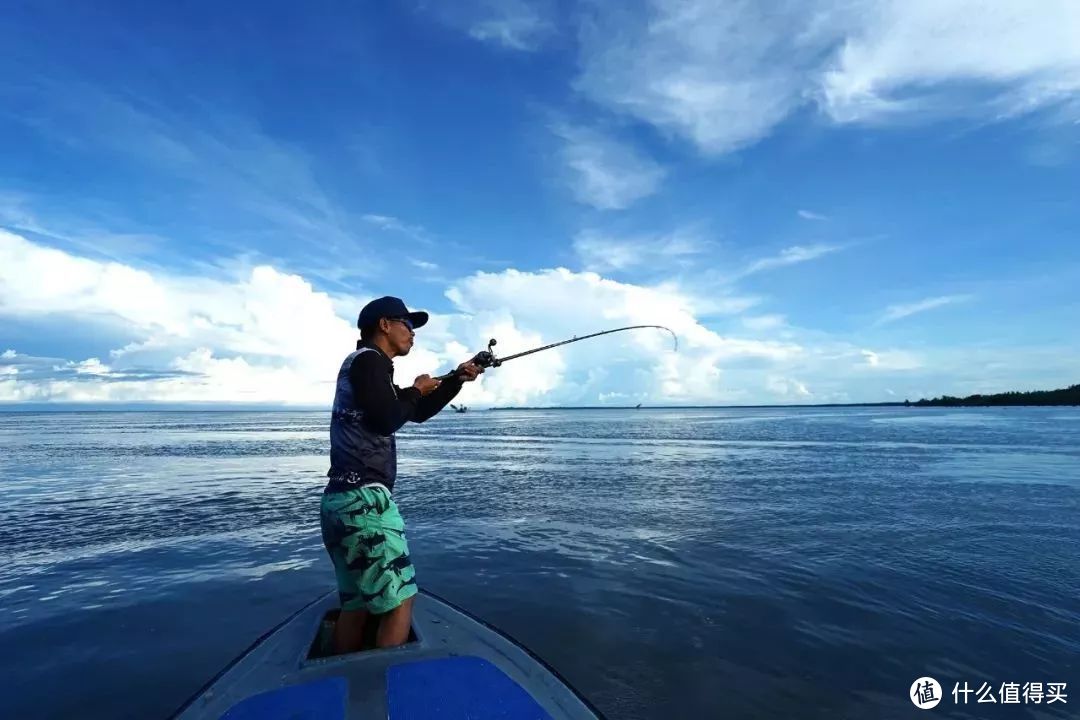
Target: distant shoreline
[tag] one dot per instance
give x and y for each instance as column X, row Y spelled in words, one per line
column 1069, row 396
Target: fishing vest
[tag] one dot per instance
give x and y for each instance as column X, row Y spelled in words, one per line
column 358, row 455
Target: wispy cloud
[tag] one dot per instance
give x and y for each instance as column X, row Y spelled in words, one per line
column 215, row 169
column 605, row 173
column 601, row 252
column 965, row 57
column 16, row 214
column 807, row 215
column 898, row 312
column 763, row 322
column 424, row 264
column 518, row 25
column 725, row 74
column 393, row 224
column 513, row 24
column 790, row 256
column 719, row 74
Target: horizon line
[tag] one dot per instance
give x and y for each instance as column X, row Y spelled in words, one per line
column 12, row 408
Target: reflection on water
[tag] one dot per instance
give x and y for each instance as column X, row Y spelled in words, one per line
column 748, row 562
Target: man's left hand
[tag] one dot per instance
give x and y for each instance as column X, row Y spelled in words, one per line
column 468, row 371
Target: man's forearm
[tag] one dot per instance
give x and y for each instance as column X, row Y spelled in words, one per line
column 430, row 405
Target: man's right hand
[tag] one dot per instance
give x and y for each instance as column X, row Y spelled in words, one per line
column 425, row 384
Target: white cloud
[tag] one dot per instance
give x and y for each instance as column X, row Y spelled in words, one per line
column 565, row 304
column 787, row 387
column 91, row 366
column 808, row 215
column 891, row 360
column 725, row 74
column 908, row 56
column 513, row 24
column 274, row 319
column 790, row 256
column 600, row 252
column 271, row 337
column 605, row 173
column 424, row 264
column 897, row 312
column 267, row 336
column 720, row 74
column 196, row 377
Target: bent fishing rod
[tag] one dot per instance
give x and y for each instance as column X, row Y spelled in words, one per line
column 487, row 358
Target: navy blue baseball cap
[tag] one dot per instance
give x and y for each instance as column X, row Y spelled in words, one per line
column 389, row 307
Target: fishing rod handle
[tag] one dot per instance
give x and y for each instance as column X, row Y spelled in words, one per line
column 484, row 359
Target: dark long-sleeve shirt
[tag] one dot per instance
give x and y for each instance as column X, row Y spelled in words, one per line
column 386, row 406
column 368, row 409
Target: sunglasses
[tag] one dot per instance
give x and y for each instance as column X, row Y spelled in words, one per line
column 404, row 321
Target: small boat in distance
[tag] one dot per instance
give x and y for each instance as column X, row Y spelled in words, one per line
column 453, row 666
column 459, row 408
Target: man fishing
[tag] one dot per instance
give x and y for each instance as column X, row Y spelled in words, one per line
column 361, row 526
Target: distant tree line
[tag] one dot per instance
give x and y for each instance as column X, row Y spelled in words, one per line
column 1065, row 396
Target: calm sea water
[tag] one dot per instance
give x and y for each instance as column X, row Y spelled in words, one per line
column 803, row 563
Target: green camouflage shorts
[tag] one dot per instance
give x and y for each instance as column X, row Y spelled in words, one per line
column 365, row 536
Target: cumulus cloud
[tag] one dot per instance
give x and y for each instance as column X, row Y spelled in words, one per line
column 787, row 387
column 276, row 320
column 603, row 172
column 565, row 304
column 268, row 336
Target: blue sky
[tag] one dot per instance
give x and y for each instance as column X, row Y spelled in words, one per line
column 828, row 201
